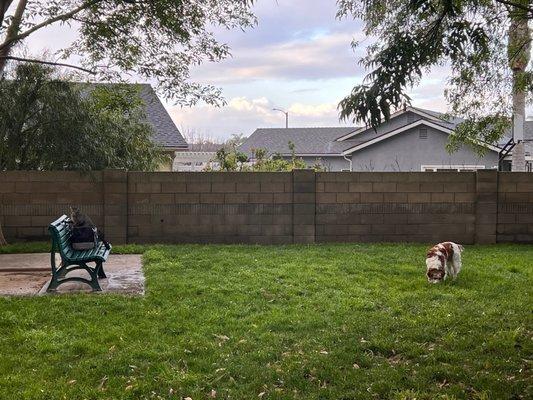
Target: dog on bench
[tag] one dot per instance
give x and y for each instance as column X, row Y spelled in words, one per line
column 443, row 260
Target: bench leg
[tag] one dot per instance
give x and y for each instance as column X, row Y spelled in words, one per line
column 100, row 270
column 93, row 282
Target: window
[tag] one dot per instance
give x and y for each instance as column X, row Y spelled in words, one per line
column 455, row 168
column 423, row 133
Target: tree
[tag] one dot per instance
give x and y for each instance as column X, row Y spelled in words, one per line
column 276, row 162
column 487, row 45
column 50, row 124
column 150, row 39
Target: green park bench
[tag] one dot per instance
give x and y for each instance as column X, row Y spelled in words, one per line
column 74, row 259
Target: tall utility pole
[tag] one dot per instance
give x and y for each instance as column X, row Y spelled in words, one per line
column 286, row 116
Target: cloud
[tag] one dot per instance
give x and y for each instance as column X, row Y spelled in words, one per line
column 244, row 115
column 324, row 56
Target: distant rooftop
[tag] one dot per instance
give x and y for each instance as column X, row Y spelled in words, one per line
column 166, row 134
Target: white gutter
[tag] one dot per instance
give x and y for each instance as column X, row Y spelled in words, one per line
column 349, row 160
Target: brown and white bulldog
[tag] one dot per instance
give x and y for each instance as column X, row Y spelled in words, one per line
column 442, row 260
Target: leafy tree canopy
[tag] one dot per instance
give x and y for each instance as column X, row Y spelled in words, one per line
column 486, row 43
column 148, row 39
column 49, row 124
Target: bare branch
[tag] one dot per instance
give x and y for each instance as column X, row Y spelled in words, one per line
column 61, row 17
column 32, row 60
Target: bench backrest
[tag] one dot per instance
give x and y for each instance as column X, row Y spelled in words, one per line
column 60, row 232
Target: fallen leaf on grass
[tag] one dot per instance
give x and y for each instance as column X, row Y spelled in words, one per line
column 72, row 382
column 213, row 394
column 260, row 395
column 102, row 383
column 356, row 366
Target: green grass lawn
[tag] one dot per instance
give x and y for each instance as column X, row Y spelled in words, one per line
column 284, row 322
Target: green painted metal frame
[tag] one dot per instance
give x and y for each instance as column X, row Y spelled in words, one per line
column 72, row 260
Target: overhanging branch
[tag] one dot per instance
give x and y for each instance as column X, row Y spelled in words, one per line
column 32, row 60
column 61, row 17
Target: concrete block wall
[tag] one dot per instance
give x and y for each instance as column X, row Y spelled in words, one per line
column 194, row 207
column 515, row 207
column 395, row 207
column 275, row 208
column 30, row 200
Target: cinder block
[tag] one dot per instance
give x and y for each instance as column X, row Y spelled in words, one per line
column 464, row 197
column 382, row 187
column 272, row 187
column 408, row 187
column 371, row 197
column 198, row 187
column 236, row 198
column 186, row 198
column 303, row 187
column 248, row 187
column 304, row 230
column 282, row 198
column 226, row 187
column 258, row 198
column 304, row 197
column 418, row 197
column 304, row 239
column 431, row 187
column 162, row 198
column 372, row 219
column 336, row 230
column 395, row 197
column 9, row 187
column 349, row 198
column 139, row 198
column 360, row 187
column 303, row 209
column 326, row 198
column 211, row 198
column 303, row 219
column 442, row 197
column 336, row 187
column 173, row 187
column 151, row 187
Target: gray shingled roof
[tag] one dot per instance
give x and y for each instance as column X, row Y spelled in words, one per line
column 166, row 134
column 322, row 141
column 306, row 140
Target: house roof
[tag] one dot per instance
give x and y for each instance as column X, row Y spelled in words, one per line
column 307, row 141
column 338, row 141
column 378, row 138
column 166, row 134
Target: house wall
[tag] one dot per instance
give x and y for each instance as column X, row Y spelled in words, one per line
column 271, row 208
column 331, row 164
column 407, row 152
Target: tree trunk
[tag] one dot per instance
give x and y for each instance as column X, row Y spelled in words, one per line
column 518, row 51
column 12, row 32
column 2, row 238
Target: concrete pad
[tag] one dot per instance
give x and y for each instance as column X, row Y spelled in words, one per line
column 23, row 274
column 29, row 274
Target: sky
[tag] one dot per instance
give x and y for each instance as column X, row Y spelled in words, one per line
column 298, row 58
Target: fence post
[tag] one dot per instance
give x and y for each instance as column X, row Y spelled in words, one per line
column 303, row 203
column 486, row 206
column 115, row 184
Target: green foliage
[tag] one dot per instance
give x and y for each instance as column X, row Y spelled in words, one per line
column 291, row 322
column 414, row 36
column 50, row 124
column 276, row 163
column 148, row 39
